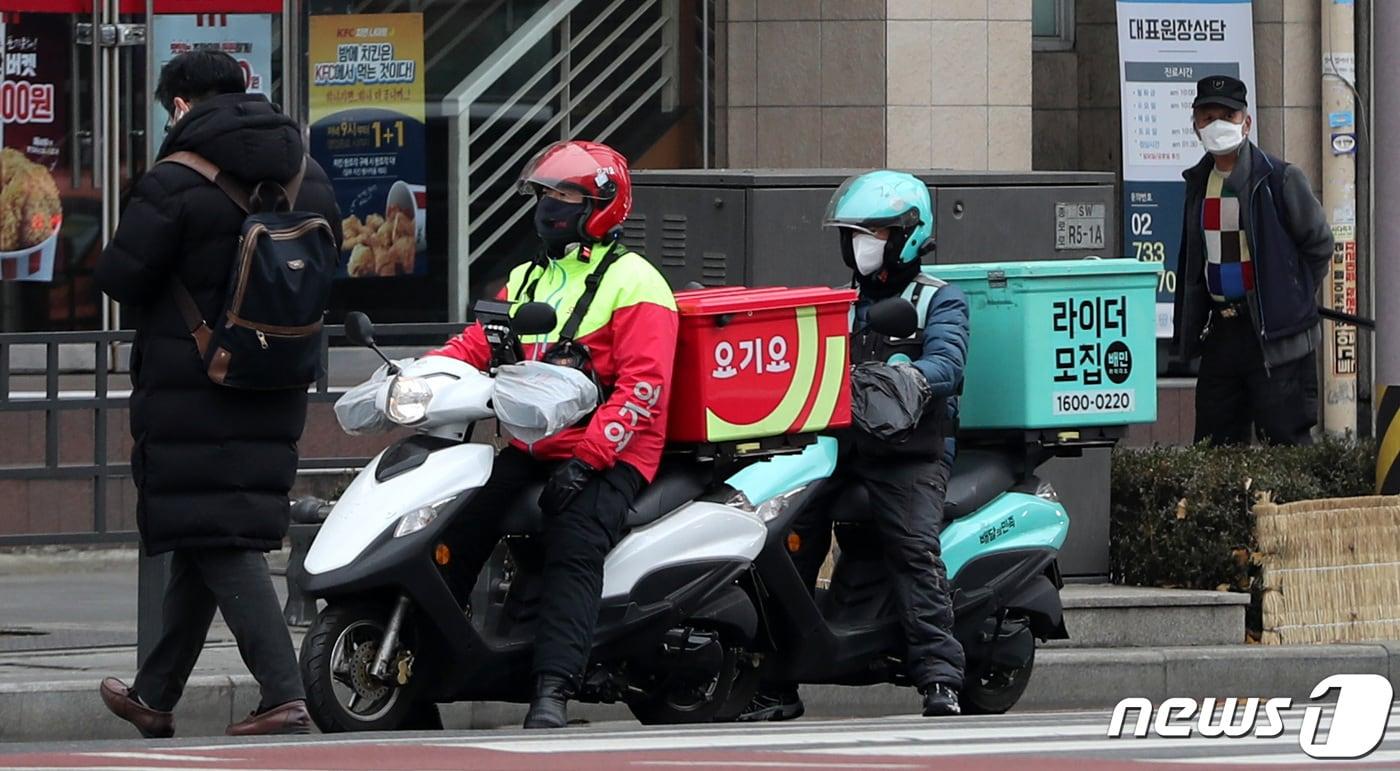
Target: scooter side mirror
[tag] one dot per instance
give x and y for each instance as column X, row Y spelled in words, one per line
column 894, row 317
column 359, row 330
column 534, row 319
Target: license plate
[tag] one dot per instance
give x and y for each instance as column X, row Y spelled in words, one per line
column 1079, row 226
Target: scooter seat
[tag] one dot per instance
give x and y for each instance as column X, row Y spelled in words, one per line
column 676, row 484
column 979, row 476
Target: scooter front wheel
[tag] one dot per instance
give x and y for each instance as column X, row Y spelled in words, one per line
column 337, row 656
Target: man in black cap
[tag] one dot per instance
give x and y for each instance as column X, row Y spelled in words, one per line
column 1255, row 248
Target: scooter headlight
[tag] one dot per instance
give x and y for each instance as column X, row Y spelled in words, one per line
column 408, row 400
column 421, row 517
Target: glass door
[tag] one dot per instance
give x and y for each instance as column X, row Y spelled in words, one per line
column 78, row 124
column 50, row 198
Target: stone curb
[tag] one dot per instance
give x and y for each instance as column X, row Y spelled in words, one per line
column 1064, row 679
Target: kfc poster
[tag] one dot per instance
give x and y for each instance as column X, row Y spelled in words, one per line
column 245, row 37
column 367, row 131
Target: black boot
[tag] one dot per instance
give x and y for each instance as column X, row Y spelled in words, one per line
column 548, row 708
column 773, row 703
column 940, row 700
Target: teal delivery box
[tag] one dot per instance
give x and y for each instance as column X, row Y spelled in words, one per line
column 1058, row 344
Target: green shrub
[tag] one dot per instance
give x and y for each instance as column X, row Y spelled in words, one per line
column 1181, row 517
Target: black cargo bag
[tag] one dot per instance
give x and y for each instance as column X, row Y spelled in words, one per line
column 888, row 402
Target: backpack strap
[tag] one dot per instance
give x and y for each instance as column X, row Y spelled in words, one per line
column 920, row 293
column 194, row 320
column 590, row 290
column 289, row 191
column 527, row 290
column 293, row 188
column 235, row 191
column 203, row 167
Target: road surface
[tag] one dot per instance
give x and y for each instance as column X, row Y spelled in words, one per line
column 1050, row 741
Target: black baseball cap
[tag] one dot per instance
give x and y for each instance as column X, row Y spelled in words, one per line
column 1222, row 90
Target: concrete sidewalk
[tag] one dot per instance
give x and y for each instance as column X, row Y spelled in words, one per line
column 66, row 621
column 53, row 696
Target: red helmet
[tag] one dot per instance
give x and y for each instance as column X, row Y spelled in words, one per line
column 595, row 170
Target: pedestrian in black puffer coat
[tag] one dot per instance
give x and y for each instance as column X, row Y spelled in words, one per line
column 213, row 465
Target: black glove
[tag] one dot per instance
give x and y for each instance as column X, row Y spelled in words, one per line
column 564, row 485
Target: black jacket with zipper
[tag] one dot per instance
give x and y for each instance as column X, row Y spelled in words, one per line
column 213, row 466
column 1290, row 245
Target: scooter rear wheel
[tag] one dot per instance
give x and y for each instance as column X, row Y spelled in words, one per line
column 676, row 701
column 336, row 655
column 995, row 691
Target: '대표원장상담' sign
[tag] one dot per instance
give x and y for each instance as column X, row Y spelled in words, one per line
column 1164, row 48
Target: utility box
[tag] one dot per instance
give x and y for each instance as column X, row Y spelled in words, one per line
column 764, row 227
column 732, row 227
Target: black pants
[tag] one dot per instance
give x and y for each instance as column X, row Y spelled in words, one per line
column 238, row 584
column 906, row 498
column 1236, row 395
column 576, row 542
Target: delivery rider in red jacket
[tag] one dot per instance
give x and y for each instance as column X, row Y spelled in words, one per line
column 594, row 471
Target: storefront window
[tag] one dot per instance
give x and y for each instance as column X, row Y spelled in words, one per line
column 78, row 124
column 421, row 112
column 493, row 81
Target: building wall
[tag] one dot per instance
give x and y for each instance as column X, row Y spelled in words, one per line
column 1076, row 107
column 864, row 83
column 801, row 83
column 959, row 84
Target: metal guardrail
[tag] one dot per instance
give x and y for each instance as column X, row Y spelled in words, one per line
column 97, row 400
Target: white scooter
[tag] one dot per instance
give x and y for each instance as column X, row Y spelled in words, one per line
column 399, row 632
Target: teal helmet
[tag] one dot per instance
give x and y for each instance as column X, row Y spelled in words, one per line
column 884, row 199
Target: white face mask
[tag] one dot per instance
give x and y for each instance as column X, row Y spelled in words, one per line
column 1222, row 137
column 869, row 253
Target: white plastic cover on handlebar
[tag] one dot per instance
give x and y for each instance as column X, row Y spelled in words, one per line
column 358, row 412
column 534, row 400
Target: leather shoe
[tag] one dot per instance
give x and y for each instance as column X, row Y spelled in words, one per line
column 290, row 718
column 549, row 708
column 153, row 724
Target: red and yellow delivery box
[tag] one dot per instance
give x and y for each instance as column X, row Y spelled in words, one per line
column 753, row 363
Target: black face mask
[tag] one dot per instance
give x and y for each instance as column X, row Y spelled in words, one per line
column 557, row 223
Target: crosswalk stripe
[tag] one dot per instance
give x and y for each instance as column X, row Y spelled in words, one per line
column 1107, row 746
column 1392, row 756
column 738, row 739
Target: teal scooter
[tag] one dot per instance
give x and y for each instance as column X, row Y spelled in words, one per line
column 1001, row 538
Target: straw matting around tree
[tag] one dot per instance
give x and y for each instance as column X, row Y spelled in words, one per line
column 1330, row 569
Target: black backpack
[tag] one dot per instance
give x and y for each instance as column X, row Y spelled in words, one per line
column 269, row 334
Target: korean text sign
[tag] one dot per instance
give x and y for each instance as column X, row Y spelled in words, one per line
column 245, row 37
column 367, row 130
column 1164, row 48
column 35, row 49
